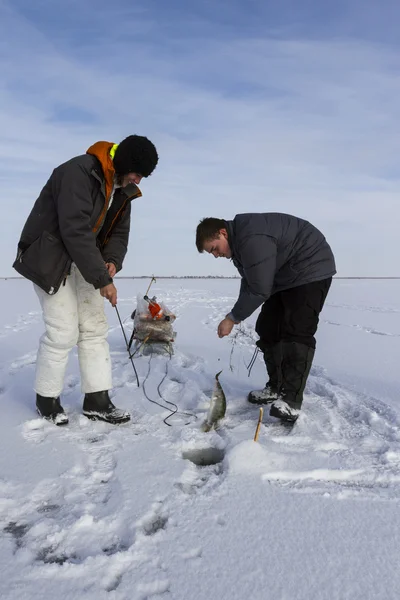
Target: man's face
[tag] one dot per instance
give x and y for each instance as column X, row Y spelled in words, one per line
column 131, row 178
column 219, row 247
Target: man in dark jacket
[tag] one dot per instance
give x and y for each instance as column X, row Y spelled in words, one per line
column 73, row 243
column 286, row 265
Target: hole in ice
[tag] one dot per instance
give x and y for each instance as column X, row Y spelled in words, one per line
column 204, row 456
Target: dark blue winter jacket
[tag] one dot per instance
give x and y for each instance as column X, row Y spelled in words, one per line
column 275, row 252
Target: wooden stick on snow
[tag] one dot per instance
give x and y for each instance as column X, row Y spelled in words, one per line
column 259, row 424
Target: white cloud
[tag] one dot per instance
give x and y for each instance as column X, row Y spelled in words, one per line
column 248, row 124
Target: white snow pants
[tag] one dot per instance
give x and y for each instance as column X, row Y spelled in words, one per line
column 74, row 315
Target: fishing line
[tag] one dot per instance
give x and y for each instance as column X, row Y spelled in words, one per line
column 154, row 401
column 188, row 414
column 252, row 361
column 175, row 409
column 127, row 347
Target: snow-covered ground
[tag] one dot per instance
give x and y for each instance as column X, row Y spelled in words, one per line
column 94, row 511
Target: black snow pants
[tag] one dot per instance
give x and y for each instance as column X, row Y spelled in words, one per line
column 293, row 315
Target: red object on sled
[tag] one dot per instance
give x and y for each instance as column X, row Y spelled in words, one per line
column 154, row 308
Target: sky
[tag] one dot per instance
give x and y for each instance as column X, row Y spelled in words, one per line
column 253, row 106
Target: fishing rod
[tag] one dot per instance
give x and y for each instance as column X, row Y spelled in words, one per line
column 127, row 346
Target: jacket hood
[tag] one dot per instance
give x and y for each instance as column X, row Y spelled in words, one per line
column 101, row 150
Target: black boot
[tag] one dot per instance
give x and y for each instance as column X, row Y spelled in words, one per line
column 98, row 407
column 51, row 409
column 273, row 362
column 296, row 365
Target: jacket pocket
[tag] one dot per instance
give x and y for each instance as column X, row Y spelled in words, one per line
column 45, row 262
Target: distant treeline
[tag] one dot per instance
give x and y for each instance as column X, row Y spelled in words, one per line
column 223, row 277
column 205, row 277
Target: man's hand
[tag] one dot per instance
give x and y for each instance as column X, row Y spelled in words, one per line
column 225, row 327
column 111, row 268
column 110, row 292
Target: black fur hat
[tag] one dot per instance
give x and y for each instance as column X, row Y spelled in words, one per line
column 135, row 154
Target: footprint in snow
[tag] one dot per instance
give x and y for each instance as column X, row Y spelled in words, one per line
column 155, row 520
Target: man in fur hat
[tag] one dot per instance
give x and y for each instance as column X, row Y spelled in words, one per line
column 73, row 243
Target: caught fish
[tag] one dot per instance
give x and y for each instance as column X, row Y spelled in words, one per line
column 217, row 408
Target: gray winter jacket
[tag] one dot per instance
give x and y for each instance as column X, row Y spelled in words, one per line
column 72, row 221
column 274, row 252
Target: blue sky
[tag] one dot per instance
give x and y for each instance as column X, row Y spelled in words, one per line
column 254, row 106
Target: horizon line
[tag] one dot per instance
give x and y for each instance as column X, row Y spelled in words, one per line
column 216, row 277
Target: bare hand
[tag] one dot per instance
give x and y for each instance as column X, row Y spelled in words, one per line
column 111, row 268
column 110, row 292
column 225, row 327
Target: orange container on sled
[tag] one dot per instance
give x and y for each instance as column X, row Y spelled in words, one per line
column 154, row 308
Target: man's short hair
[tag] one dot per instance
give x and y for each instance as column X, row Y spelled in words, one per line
column 208, row 229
